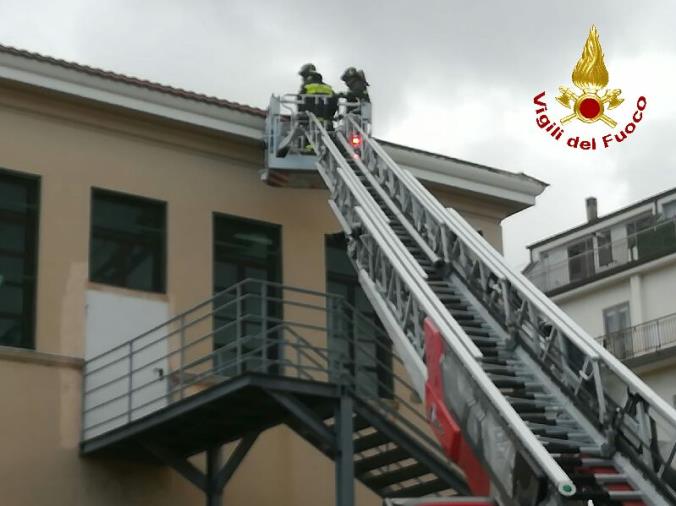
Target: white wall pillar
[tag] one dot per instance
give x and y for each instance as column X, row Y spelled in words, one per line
column 636, row 299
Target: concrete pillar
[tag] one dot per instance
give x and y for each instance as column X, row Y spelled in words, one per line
column 636, row 300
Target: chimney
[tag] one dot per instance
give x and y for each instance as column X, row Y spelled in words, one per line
column 592, row 209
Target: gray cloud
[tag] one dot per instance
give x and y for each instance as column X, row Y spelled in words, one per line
column 457, row 77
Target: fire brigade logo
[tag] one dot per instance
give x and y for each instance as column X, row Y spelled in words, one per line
column 589, row 105
column 590, row 75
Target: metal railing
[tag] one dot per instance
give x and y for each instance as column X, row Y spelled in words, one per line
column 653, row 242
column 641, row 418
column 395, row 282
column 262, row 327
column 643, row 338
column 282, row 110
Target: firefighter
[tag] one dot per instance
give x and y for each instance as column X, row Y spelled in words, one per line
column 304, row 74
column 320, row 100
column 325, row 105
column 357, row 87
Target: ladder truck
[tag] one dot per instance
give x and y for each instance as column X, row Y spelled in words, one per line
column 533, row 409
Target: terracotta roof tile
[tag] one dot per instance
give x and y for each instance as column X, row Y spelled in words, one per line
column 134, row 81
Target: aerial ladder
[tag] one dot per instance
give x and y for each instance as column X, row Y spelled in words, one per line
column 533, row 409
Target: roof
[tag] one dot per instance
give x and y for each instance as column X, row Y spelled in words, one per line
column 600, row 219
column 244, row 121
column 518, row 175
column 134, row 81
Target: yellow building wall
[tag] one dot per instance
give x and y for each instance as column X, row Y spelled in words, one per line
column 74, row 147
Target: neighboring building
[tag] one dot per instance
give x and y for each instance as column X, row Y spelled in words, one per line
column 616, row 276
column 125, row 202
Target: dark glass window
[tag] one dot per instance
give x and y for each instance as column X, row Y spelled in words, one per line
column 367, row 347
column 245, row 249
column 19, row 197
column 128, row 241
column 605, row 248
column 581, row 260
column 617, row 323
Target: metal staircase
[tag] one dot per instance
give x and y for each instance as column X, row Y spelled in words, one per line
column 388, row 460
column 167, row 394
column 552, row 416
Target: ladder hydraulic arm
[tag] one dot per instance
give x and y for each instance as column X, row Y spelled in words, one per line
column 550, row 414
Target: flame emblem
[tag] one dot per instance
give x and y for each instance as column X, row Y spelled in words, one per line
column 590, row 75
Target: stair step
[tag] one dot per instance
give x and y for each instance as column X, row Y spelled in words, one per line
column 477, row 333
column 379, row 460
column 604, row 497
column 419, row 489
column 383, row 480
column 590, row 479
column 569, row 461
column 369, row 441
column 507, row 382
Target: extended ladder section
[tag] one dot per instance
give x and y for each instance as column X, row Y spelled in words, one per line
column 549, row 414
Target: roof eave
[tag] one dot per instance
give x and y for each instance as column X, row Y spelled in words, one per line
column 517, row 188
column 107, row 91
column 243, row 122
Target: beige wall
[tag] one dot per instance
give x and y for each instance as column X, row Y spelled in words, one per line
column 73, row 148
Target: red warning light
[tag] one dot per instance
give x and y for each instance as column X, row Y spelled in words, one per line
column 355, row 140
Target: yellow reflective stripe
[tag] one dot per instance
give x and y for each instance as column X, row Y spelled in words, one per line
column 318, row 89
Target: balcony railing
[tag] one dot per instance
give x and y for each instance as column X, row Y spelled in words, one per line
column 266, row 328
column 641, row 339
column 656, row 241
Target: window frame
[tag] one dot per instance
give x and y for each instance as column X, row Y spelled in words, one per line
column 584, row 260
column 615, row 308
column 620, row 341
column 30, row 340
column 384, row 371
column 275, row 310
column 164, row 249
column 606, row 247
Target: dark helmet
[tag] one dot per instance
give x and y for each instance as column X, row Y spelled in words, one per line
column 362, row 76
column 315, row 77
column 306, row 69
column 349, row 73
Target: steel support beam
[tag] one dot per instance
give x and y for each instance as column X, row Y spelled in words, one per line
column 180, row 465
column 223, row 476
column 213, row 492
column 345, row 453
column 306, row 416
column 217, row 474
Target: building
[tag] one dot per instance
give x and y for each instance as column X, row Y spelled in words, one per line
column 615, row 276
column 122, row 204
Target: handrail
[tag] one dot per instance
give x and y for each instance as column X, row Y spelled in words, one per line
column 477, row 243
column 388, row 262
column 115, row 395
column 651, row 333
column 520, row 297
column 544, row 266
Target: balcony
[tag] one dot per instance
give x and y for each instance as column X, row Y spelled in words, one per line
column 595, row 256
column 639, row 340
column 254, row 356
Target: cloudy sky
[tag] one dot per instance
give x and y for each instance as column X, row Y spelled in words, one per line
column 456, row 77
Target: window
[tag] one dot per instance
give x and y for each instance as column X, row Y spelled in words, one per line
column 18, row 258
column 128, row 241
column 581, row 260
column 244, row 249
column 365, row 344
column 605, row 248
column 638, row 236
column 669, row 210
column 617, row 323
